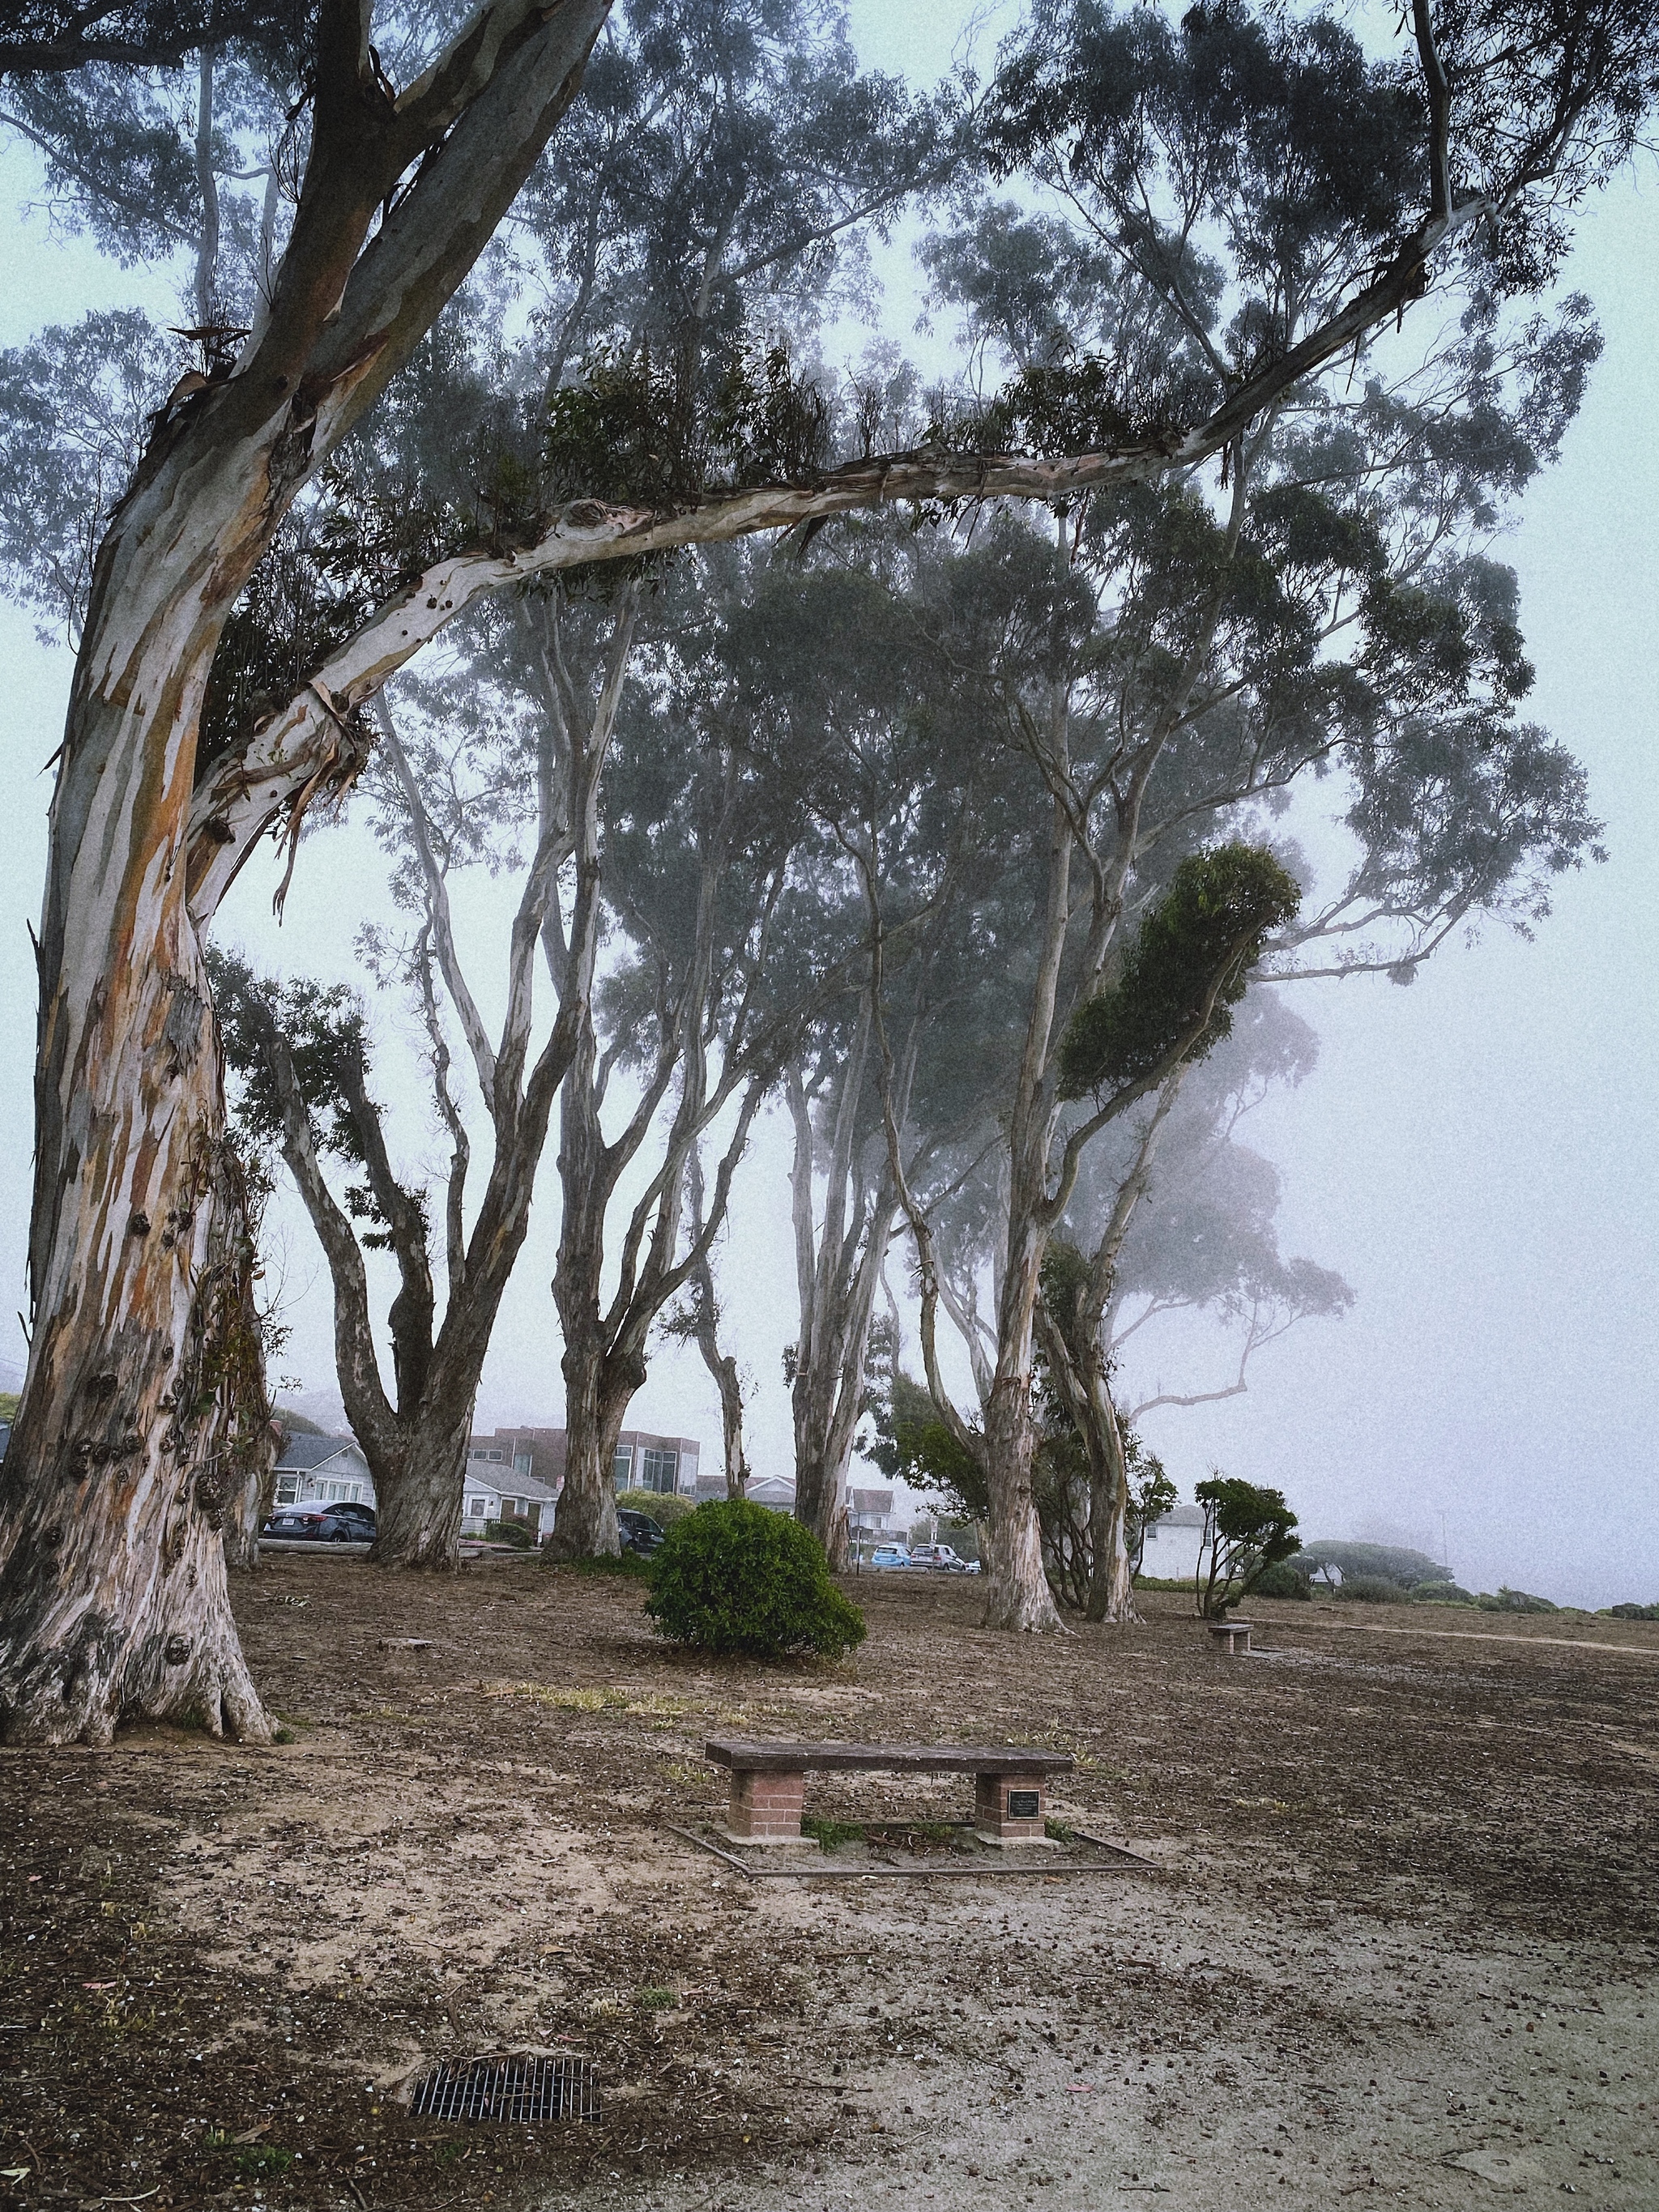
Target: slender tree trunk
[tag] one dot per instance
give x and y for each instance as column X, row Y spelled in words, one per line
column 1111, row 1583
column 729, row 1384
column 1018, row 1596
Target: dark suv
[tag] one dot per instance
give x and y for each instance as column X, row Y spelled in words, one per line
column 640, row 1533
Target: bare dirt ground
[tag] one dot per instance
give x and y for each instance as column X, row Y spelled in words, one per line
column 1401, row 1943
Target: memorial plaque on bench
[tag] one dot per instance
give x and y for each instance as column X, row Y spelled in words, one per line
column 1022, row 1804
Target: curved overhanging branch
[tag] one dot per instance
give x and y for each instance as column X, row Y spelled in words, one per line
column 315, row 742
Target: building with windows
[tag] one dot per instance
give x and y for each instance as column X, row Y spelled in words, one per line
column 665, row 1464
column 331, row 1470
column 505, row 1495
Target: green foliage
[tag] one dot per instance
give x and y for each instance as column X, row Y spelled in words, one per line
column 1393, row 1561
column 635, row 431
column 663, row 1508
column 10, row 1402
column 1441, row 1593
column 1248, row 1529
column 1632, row 1612
column 1203, row 937
column 830, row 1835
column 518, row 1533
column 1515, row 1600
column 913, row 1445
column 1281, row 1580
column 1374, row 1589
column 733, row 1578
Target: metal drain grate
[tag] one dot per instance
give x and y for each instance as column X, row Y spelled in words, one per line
column 510, row 2089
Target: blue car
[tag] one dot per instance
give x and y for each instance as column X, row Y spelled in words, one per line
column 890, row 1555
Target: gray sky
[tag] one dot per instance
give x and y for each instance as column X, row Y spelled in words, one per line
column 1476, row 1154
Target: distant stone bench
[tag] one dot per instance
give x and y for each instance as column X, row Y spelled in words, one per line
column 1233, row 1636
column 769, row 1781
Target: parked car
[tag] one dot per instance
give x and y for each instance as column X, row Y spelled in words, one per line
column 890, row 1555
column 363, row 1515
column 942, row 1560
column 640, row 1533
column 292, row 1523
column 312, row 1524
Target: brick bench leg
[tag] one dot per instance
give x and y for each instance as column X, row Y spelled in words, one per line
column 997, row 1820
column 766, row 1807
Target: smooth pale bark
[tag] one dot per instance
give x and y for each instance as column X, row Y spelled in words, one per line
column 838, row 1267
column 112, row 1591
column 705, row 1329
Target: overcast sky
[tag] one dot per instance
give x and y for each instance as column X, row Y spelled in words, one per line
column 1476, row 1154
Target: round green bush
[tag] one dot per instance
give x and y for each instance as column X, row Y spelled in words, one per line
column 1373, row 1590
column 1442, row 1593
column 1279, row 1580
column 733, row 1577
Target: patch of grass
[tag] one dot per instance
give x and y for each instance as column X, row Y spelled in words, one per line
column 677, row 1770
column 1057, row 1832
column 263, row 2158
column 284, row 1735
column 653, row 1999
column 544, row 1693
column 446, row 2154
column 830, row 1835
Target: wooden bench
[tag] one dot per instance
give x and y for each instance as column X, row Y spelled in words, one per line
column 768, row 1780
column 1233, row 1636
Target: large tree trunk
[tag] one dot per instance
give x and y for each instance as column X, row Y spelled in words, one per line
column 418, row 1510
column 585, row 1524
column 113, row 1592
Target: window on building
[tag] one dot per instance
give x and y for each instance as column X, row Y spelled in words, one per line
column 477, row 1509
column 521, row 1462
column 288, row 1489
column 494, row 1455
column 657, row 1469
column 622, row 1468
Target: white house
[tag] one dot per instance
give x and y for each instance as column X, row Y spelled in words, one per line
column 1173, row 1546
column 329, row 1469
column 504, row 1494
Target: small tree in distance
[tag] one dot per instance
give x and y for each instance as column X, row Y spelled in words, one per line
column 1247, row 1530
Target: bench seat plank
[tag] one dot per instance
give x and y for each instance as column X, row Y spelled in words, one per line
column 772, row 1755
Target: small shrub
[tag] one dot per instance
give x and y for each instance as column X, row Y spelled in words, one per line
column 1374, row 1589
column 1514, row 1601
column 830, row 1835
column 1442, row 1593
column 664, row 1509
column 1634, row 1612
column 516, row 1532
column 1280, row 1580
column 733, row 1577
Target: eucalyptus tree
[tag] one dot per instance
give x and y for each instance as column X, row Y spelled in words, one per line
column 305, row 303
column 1174, row 1214
column 398, row 192
column 904, row 803
column 453, row 789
